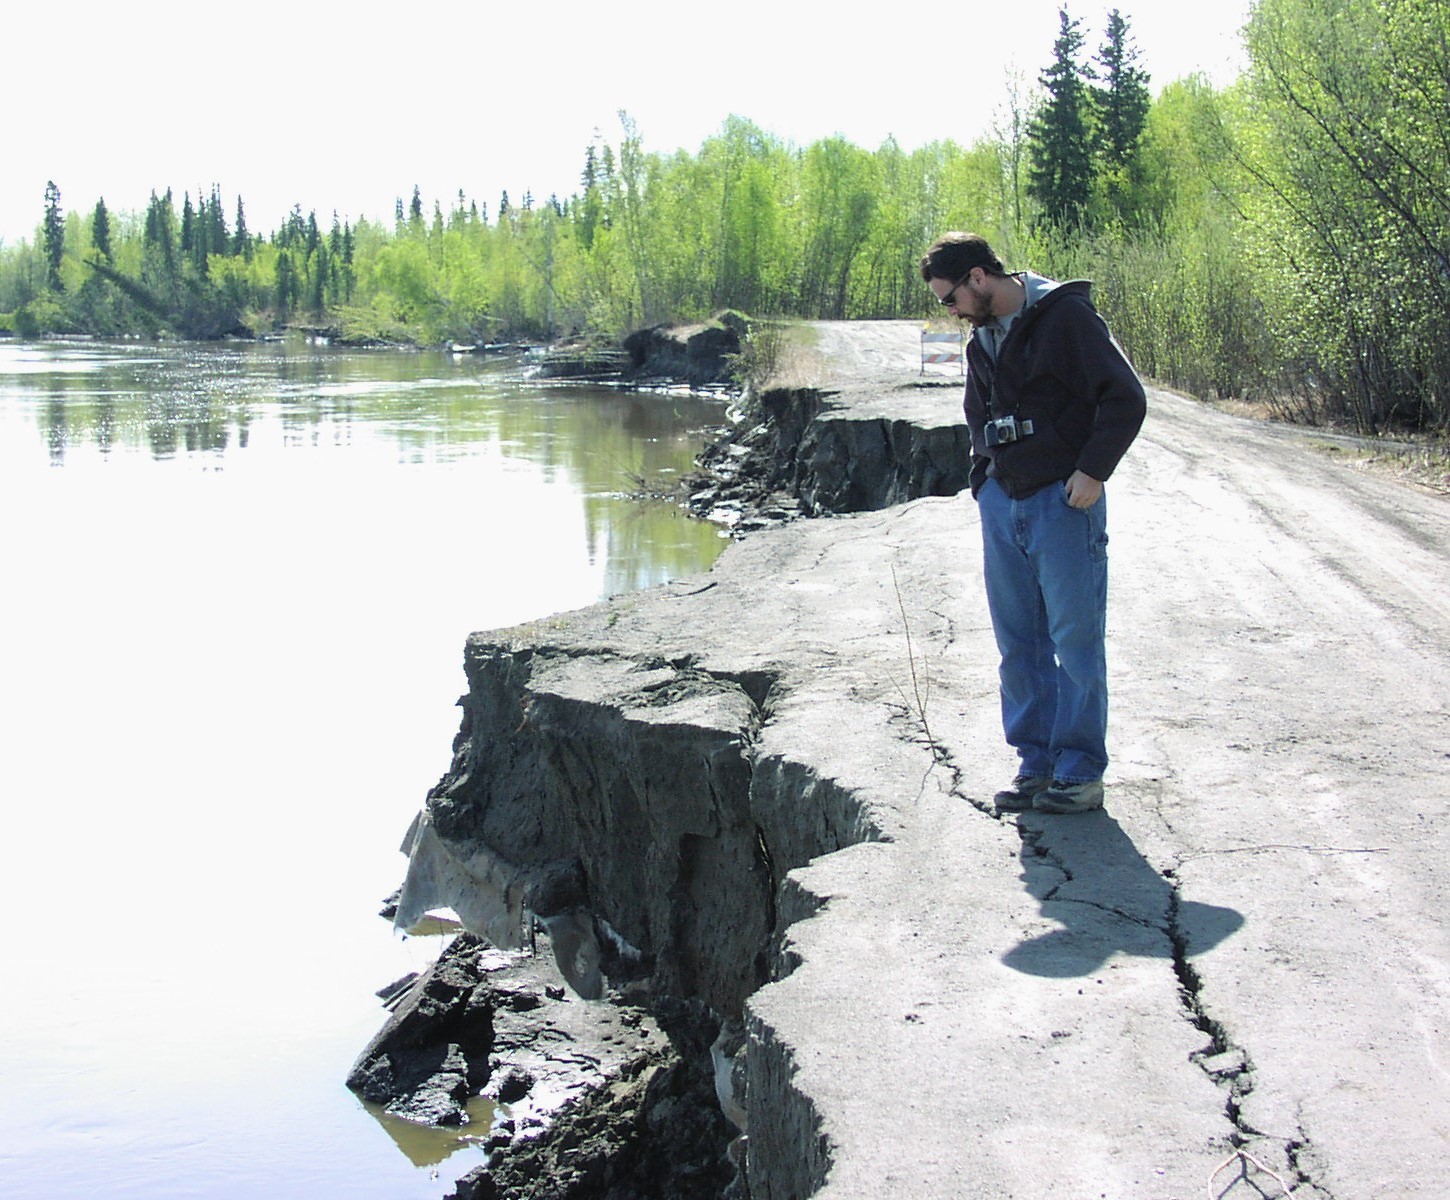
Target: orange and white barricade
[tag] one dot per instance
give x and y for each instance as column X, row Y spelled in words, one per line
column 942, row 346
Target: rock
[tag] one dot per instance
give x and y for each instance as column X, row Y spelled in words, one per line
column 391, row 993
column 614, row 750
column 434, row 1086
column 652, row 1132
column 573, row 1082
column 513, row 1086
column 433, row 1049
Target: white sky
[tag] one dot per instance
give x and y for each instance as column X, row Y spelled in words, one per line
column 346, row 106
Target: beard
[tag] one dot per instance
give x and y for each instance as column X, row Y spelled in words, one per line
column 977, row 307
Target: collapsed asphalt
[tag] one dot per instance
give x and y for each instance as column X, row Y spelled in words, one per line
column 1245, row 952
column 1237, row 975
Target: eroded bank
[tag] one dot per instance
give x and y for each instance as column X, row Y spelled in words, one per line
column 617, row 788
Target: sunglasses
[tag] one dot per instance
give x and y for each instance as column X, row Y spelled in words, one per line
column 951, row 295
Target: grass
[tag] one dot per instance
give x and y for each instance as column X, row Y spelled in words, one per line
column 916, row 702
column 1427, row 466
column 1424, row 465
column 778, row 353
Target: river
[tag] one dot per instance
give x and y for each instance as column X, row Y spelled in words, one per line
column 237, row 583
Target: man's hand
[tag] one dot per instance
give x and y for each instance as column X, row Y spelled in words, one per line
column 1082, row 490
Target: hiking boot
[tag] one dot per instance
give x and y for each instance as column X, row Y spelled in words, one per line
column 1063, row 797
column 1020, row 793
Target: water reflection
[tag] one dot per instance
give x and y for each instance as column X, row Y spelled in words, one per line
column 218, row 407
column 425, row 1146
column 432, row 407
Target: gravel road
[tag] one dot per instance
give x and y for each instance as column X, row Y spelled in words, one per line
column 1248, row 949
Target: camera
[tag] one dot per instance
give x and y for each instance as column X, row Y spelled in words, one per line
column 1005, row 430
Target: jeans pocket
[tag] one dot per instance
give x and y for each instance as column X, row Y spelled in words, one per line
column 1094, row 522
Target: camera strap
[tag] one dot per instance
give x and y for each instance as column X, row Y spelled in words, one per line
column 989, row 392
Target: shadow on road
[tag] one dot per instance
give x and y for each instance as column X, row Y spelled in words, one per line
column 1088, row 876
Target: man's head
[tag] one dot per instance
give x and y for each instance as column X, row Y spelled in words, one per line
column 962, row 270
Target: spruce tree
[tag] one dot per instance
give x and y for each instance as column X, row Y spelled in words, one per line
column 216, row 223
column 200, row 242
column 317, row 281
column 286, row 278
column 294, row 229
column 101, row 230
column 188, row 224
column 347, row 271
column 1122, row 101
column 53, row 236
column 241, row 239
column 1060, row 176
column 159, row 243
column 589, row 212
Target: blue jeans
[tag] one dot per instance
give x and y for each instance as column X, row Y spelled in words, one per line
column 1046, row 569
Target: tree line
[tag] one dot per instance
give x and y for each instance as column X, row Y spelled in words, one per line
column 1285, row 238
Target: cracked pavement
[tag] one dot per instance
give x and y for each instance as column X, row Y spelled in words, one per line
column 1233, row 981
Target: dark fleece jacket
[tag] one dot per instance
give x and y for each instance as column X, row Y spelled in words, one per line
column 1059, row 368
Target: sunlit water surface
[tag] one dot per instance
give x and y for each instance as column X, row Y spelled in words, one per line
column 237, row 583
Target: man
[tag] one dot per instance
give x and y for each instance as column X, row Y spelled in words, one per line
column 1053, row 405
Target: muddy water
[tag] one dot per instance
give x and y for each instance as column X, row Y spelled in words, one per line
column 237, row 583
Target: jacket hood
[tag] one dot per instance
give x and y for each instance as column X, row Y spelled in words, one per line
column 1040, row 292
column 1040, row 288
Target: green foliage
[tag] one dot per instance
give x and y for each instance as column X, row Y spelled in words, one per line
column 838, row 206
column 763, row 351
column 1345, row 145
column 1285, row 239
column 368, row 326
column 44, row 314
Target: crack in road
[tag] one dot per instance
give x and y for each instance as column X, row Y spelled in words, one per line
column 1228, row 1064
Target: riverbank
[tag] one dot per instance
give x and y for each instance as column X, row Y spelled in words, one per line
column 771, row 786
